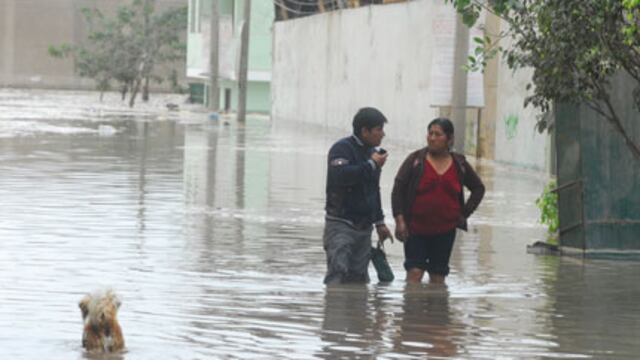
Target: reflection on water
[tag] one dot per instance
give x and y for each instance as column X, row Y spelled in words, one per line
column 211, row 233
column 426, row 323
column 354, row 324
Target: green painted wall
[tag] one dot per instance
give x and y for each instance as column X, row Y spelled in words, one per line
column 258, row 96
column 570, row 177
column 262, row 14
column 605, row 200
column 226, row 6
column 194, row 54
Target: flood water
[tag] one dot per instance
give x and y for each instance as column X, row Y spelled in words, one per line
column 211, row 234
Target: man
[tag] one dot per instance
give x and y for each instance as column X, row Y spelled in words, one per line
column 353, row 204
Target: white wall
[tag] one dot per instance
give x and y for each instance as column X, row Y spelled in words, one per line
column 327, row 66
column 516, row 140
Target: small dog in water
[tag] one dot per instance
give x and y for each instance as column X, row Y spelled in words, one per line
column 101, row 329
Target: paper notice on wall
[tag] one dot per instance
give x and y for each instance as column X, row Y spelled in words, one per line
column 443, row 28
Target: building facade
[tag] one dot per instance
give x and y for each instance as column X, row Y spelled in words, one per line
column 230, row 25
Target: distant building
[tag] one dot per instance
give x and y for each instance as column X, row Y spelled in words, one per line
column 259, row 74
column 29, row 27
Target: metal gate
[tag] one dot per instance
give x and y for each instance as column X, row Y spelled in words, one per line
column 598, row 177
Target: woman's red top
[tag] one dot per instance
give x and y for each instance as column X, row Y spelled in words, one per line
column 436, row 208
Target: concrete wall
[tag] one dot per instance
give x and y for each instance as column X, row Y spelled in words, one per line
column 517, row 141
column 29, row 27
column 327, row 66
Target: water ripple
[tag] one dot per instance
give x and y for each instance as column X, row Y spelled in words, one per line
column 211, row 234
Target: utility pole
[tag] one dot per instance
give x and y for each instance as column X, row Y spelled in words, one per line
column 147, row 9
column 244, row 62
column 459, row 96
column 214, row 88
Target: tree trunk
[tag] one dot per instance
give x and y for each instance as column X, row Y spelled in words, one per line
column 148, row 9
column 145, row 90
column 123, row 91
column 134, row 92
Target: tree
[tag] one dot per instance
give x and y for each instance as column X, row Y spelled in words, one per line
column 128, row 47
column 573, row 46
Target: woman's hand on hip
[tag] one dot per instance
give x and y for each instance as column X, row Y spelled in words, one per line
column 402, row 232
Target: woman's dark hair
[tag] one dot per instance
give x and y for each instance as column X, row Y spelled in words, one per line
column 369, row 118
column 445, row 124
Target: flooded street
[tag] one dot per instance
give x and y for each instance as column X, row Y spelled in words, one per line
column 211, row 234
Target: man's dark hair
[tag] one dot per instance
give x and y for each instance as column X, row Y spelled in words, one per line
column 445, row 124
column 369, row 118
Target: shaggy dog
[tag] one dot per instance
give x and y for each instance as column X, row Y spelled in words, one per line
column 101, row 329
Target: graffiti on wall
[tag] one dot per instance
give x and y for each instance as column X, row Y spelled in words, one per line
column 511, row 126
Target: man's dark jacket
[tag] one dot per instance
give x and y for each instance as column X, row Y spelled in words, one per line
column 353, row 184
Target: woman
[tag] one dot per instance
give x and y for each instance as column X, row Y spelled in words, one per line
column 428, row 203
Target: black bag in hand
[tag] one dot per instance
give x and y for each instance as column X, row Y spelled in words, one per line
column 379, row 260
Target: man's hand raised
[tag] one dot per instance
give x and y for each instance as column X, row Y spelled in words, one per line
column 379, row 159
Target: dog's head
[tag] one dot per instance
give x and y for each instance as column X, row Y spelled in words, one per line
column 99, row 314
column 100, row 309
